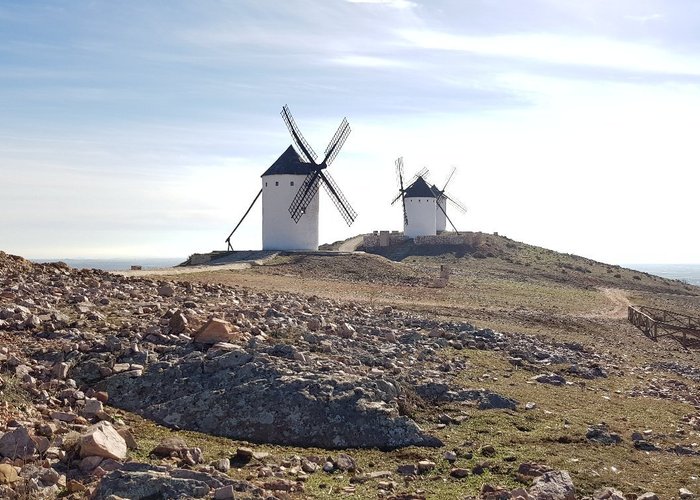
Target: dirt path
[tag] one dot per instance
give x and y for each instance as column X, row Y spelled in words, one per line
column 619, row 303
column 352, row 244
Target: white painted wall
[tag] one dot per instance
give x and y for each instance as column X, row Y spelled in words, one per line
column 421, row 217
column 440, row 219
column 280, row 232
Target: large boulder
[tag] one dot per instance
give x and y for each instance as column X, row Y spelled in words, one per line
column 139, row 481
column 102, row 440
column 17, row 444
column 256, row 399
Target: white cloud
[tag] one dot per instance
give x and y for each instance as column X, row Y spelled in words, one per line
column 397, row 4
column 646, row 18
column 371, row 62
column 551, row 48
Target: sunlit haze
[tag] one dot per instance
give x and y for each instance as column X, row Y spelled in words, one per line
column 142, row 128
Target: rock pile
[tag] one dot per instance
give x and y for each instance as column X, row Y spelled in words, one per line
column 261, row 367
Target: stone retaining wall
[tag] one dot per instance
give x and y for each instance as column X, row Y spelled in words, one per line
column 443, row 239
column 383, row 239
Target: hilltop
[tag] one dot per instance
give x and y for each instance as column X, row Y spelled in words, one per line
column 314, row 376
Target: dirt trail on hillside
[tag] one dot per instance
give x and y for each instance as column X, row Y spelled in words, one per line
column 619, row 304
column 352, row 244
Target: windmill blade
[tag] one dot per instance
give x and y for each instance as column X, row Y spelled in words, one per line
column 399, row 178
column 399, row 171
column 306, row 193
column 337, row 142
column 447, row 217
column 405, row 215
column 338, row 197
column 303, row 147
column 228, row 240
column 402, row 193
column 423, row 172
column 449, row 178
column 455, row 203
column 403, row 205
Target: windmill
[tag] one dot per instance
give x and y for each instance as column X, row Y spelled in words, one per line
column 441, row 217
column 290, row 192
column 418, row 201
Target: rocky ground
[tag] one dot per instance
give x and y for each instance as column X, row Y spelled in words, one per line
column 320, row 378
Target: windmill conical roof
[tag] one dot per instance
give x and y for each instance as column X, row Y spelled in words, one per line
column 419, row 189
column 437, row 192
column 289, row 163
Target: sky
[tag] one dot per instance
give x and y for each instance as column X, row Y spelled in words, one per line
column 141, row 129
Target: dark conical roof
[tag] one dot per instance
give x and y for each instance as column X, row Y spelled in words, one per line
column 289, row 163
column 419, row 189
column 436, row 191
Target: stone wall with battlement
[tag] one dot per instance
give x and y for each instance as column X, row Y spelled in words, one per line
column 383, row 239
column 386, row 238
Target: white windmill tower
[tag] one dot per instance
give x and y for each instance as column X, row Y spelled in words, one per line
column 419, row 204
column 442, row 198
column 290, row 192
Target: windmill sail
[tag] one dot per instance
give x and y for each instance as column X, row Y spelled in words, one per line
column 337, row 142
column 303, row 147
column 303, row 198
column 399, row 173
column 310, row 186
column 338, row 198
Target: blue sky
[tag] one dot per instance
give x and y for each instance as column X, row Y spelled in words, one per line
column 141, row 128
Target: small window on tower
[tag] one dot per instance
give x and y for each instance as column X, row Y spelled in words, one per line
column 266, row 184
column 291, row 183
column 277, row 183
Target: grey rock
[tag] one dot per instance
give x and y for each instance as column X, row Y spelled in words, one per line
column 602, row 435
column 550, row 378
column 345, row 463
column 459, row 473
column 644, row 445
column 407, row 469
column 368, row 476
column 554, row 485
column 609, row 494
column 169, row 446
column 326, row 411
column 425, row 466
column 177, row 323
column 141, row 481
column 648, row 496
column 486, row 400
column 17, row 444
column 222, row 465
